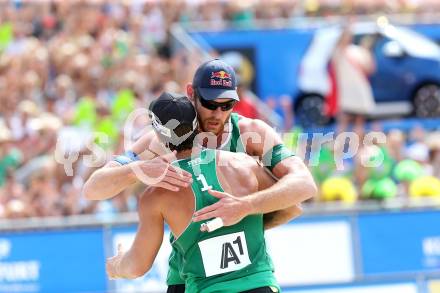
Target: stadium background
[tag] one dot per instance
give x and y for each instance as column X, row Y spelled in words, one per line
column 69, row 70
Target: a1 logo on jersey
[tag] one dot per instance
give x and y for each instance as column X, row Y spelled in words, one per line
column 223, row 254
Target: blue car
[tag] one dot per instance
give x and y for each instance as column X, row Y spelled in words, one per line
column 406, row 80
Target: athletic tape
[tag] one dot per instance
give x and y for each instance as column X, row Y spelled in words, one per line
column 213, row 224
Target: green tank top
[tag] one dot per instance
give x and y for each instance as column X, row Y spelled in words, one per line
column 233, row 144
column 230, row 259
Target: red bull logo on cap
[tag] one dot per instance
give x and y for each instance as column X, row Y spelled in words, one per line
column 221, row 78
column 220, row 74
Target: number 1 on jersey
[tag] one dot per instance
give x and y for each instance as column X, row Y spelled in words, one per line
column 202, row 179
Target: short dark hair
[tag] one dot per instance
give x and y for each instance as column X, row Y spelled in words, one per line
column 188, row 143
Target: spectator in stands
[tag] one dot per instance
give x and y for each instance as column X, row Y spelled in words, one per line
column 417, row 148
column 396, row 145
column 433, row 142
column 355, row 97
column 286, row 107
column 245, row 106
column 10, row 158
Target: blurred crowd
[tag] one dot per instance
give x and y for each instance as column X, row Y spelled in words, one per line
column 69, row 69
column 402, row 166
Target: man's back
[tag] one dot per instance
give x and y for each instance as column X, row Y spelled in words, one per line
column 237, row 174
column 238, row 250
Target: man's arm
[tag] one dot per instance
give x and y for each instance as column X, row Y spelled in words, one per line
column 139, row 258
column 265, row 180
column 113, row 178
column 278, row 218
column 295, row 186
column 109, row 181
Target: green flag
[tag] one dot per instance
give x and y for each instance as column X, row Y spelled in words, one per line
column 123, row 105
column 107, row 127
column 6, row 35
column 85, row 112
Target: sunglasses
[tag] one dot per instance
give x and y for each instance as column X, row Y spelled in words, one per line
column 212, row 105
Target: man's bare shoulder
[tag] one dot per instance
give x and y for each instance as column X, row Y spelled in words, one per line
column 257, row 135
column 238, row 171
column 248, row 124
column 236, row 160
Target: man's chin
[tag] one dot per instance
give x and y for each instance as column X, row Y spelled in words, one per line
column 215, row 129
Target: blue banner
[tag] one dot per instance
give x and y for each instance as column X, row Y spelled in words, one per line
column 52, row 261
column 321, row 250
column 401, row 242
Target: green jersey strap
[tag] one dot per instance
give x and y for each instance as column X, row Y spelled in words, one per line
column 275, row 155
column 234, row 143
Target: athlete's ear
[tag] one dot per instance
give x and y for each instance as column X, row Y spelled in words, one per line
column 190, row 92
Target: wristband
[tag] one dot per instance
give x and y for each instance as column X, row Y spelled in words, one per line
column 127, row 157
